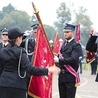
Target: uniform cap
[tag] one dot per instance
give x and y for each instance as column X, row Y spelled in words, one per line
column 13, row 33
column 4, row 31
column 34, row 27
column 69, row 27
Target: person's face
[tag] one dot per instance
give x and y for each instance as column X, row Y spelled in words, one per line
column 19, row 40
column 4, row 37
column 68, row 34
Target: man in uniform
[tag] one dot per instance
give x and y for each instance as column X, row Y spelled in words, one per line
column 29, row 44
column 4, row 36
column 94, row 65
column 92, row 44
column 68, row 57
column 29, row 41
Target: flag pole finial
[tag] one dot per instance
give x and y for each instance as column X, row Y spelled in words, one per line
column 35, row 9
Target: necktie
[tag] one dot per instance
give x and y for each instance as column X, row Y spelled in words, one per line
column 66, row 43
column 4, row 45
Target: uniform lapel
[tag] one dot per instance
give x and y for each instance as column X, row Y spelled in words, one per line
column 1, row 45
column 65, row 47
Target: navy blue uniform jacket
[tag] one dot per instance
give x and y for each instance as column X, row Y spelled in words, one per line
column 70, row 53
column 9, row 58
column 91, row 44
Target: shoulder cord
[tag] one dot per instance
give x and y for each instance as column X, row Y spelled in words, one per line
column 26, row 48
column 19, row 66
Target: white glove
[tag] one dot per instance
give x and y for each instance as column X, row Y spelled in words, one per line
column 56, row 59
column 80, row 57
column 95, row 33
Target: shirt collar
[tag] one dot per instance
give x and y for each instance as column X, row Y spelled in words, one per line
column 5, row 43
column 70, row 40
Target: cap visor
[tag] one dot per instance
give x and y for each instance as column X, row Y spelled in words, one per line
column 21, row 34
column 4, row 33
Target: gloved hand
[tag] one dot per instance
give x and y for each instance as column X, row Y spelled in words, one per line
column 80, row 57
column 95, row 33
column 56, row 59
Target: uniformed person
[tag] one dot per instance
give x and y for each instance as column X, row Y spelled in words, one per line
column 70, row 52
column 34, row 27
column 29, row 41
column 28, row 44
column 92, row 44
column 94, row 65
column 15, row 64
column 4, row 36
column 4, row 42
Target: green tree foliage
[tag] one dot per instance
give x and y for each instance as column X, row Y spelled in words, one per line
column 9, row 17
column 1, row 15
column 34, row 20
column 8, row 9
column 50, row 32
column 63, row 16
column 16, row 18
column 85, row 23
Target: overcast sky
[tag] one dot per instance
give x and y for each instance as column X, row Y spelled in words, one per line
column 47, row 8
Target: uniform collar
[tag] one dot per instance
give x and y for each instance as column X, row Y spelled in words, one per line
column 5, row 43
column 70, row 40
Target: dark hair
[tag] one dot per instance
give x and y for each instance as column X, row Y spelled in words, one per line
column 12, row 42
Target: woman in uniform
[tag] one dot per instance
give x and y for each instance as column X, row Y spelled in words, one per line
column 14, row 64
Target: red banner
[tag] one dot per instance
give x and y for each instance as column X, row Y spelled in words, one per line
column 56, row 46
column 77, row 35
column 41, row 86
column 90, row 56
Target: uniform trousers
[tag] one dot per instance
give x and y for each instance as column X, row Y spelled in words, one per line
column 93, row 67
column 7, row 92
column 67, row 90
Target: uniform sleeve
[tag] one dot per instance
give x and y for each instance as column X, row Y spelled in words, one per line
column 1, row 66
column 33, row 70
column 73, row 59
column 91, row 45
